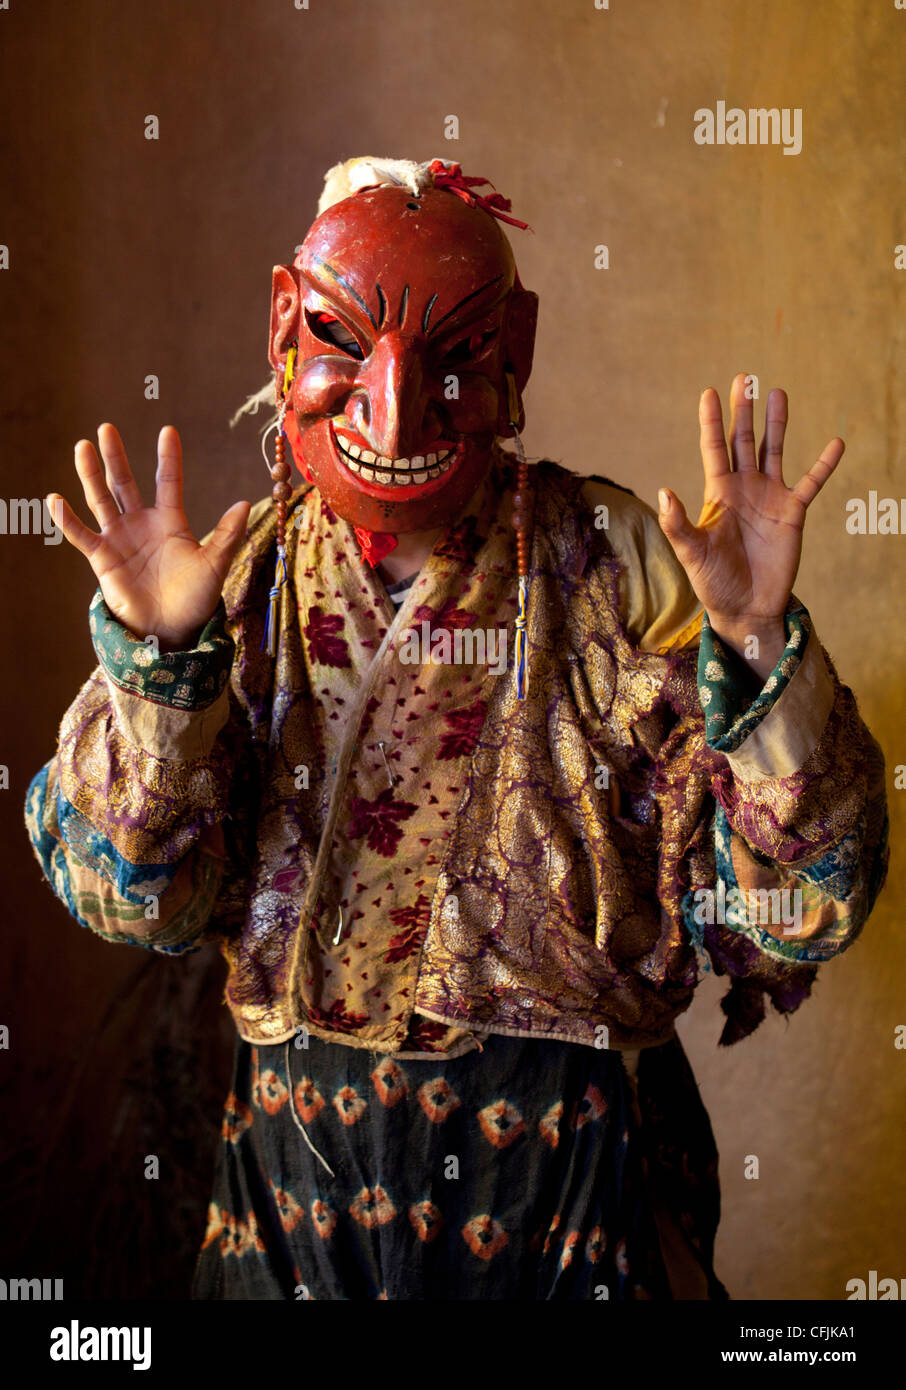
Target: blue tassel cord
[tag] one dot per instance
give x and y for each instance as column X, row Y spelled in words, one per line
column 271, row 621
column 522, row 641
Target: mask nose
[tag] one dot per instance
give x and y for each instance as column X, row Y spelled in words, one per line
column 390, row 407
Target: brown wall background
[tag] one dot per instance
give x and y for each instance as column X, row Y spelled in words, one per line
column 130, row 257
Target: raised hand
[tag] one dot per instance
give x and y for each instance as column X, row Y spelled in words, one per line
column 743, row 555
column 155, row 576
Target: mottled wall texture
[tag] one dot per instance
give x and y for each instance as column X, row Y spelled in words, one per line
column 130, row 257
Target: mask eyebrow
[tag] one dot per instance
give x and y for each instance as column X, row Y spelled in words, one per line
column 456, row 308
column 345, row 286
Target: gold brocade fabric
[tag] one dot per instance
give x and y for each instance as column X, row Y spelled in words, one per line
column 395, row 852
column 499, row 885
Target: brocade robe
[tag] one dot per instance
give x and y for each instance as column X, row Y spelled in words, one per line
column 539, row 868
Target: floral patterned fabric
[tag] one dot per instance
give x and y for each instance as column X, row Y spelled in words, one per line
column 530, row 1170
column 531, row 869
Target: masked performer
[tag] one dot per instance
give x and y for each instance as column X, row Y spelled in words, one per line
column 470, row 767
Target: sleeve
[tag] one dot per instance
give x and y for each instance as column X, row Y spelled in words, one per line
column 797, row 812
column 801, row 824
column 134, row 820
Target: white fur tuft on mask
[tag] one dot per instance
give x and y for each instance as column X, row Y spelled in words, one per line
column 368, row 171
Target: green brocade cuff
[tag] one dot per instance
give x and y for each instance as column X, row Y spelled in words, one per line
column 189, row 680
column 725, row 680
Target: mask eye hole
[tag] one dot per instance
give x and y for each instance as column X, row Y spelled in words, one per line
column 328, row 329
column 468, row 349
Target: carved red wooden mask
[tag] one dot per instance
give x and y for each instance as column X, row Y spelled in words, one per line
column 407, row 309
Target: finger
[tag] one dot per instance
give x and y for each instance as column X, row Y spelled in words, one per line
column 97, row 494
column 169, row 469
column 742, row 434
column 715, row 458
column 223, row 542
column 119, row 475
column 688, row 542
column 770, row 453
column 811, row 483
column 75, row 531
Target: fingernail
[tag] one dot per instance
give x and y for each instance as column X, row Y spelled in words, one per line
column 663, row 500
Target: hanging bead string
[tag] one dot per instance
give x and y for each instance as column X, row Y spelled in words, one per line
column 281, row 493
column 522, row 510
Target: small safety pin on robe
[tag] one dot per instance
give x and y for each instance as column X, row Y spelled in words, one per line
column 386, row 764
column 336, row 940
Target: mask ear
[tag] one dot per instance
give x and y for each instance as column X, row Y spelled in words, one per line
column 522, row 319
column 284, row 324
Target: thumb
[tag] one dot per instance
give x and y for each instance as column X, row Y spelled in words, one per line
column 687, row 541
column 223, row 542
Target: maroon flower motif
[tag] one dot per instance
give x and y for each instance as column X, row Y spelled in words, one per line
column 463, row 543
column 324, row 646
column 373, row 704
column 414, row 921
column 447, row 616
column 423, row 1032
column 337, row 1018
column 464, row 727
column 379, row 820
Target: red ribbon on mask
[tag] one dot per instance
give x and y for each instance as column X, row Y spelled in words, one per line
column 455, row 181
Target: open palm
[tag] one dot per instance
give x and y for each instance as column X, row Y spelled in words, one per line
column 742, row 556
column 155, row 576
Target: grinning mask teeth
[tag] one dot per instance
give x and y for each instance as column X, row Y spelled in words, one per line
column 407, row 312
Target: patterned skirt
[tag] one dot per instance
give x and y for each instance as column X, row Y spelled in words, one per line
column 527, row 1170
